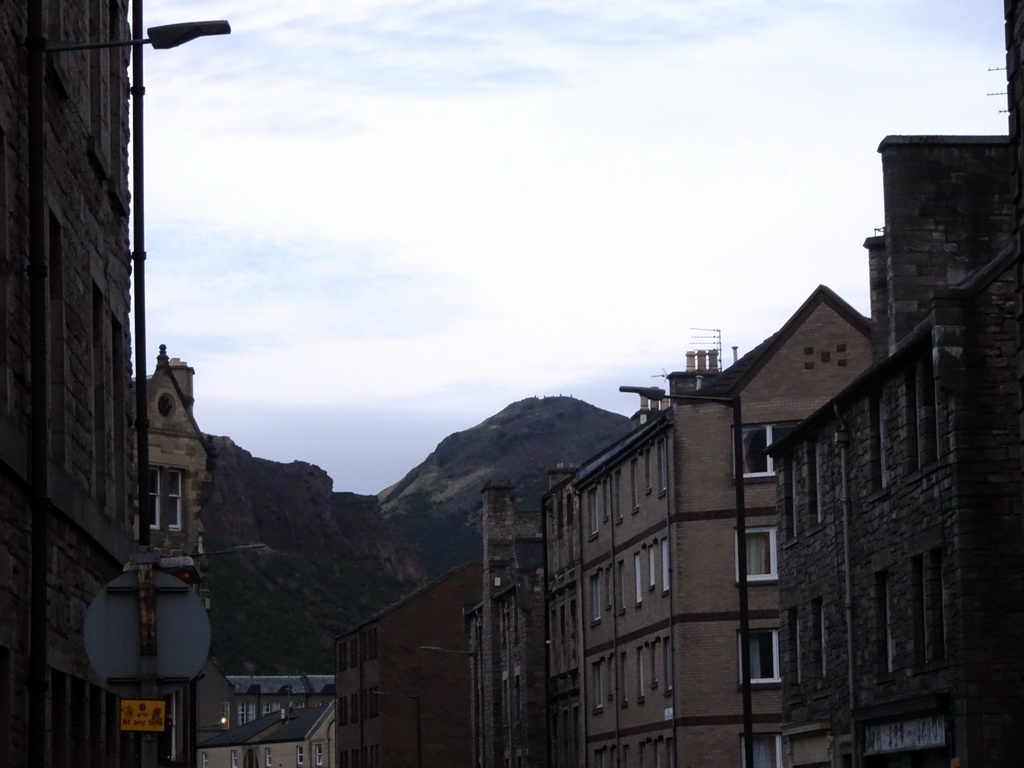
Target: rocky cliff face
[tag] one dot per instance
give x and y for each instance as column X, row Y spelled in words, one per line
column 293, row 508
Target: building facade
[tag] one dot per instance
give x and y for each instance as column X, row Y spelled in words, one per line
column 903, row 553
column 401, row 679
column 65, row 461
column 643, row 599
column 297, row 738
column 506, row 635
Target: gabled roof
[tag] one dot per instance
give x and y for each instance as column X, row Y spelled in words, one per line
column 734, row 378
column 301, row 726
column 298, row 725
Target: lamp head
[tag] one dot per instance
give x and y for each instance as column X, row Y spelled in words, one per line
column 173, row 35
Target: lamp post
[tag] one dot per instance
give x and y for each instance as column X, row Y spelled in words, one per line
column 37, row 48
column 419, row 721
column 733, row 402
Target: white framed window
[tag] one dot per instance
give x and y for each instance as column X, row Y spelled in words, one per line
column 267, row 759
column 204, row 760
column 764, row 656
column 266, row 707
column 225, row 712
column 595, row 596
column 165, row 492
column 767, row 751
column 241, row 713
column 759, row 554
column 251, row 711
column 234, row 758
column 318, row 754
column 638, row 577
column 665, row 580
column 300, row 754
column 757, row 437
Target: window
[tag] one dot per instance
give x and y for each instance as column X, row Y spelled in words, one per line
column 617, row 494
column 666, row 665
column 300, row 754
column 267, row 761
column 592, row 510
column 241, row 713
column 665, row 581
column 879, row 438
column 597, row 672
column 759, row 555
column 652, row 564
column 640, row 673
column 165, row 498
column 621, row 586
column 225, row 712
column 595, row 596
column 819, row 638
column 622, row 678
column 927, row 609
column 204, row 760
column 757, row 437
column 638, row 577
column 634, row 496
column 266, row 707
column 654, row 661
column 662, row 465
column 789, row 496
column 764, row 656
column 647, row 469
column 767, row 751
column 814, row 482
column 793, row 664
column 251, row 711
column 234, row 758
column 318, row 754
column 883, row 622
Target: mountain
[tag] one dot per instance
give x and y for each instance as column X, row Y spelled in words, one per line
column 437, row 505
column 330, row 561
column 333, row 559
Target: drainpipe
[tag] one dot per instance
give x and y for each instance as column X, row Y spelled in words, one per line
column 40, row 438
column 842, row 439
column 671, row 600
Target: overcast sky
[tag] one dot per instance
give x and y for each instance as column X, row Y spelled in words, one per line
column 372, row 223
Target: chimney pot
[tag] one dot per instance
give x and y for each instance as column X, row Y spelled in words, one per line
column 690, row 356
column 702, row 364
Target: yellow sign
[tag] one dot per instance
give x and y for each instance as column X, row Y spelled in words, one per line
column 142, row 715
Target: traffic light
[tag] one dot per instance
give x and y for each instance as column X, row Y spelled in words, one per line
column 182, row 567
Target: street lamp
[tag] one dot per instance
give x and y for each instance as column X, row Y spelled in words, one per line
column 419, row 721
column 657, row 394
column 168, row 36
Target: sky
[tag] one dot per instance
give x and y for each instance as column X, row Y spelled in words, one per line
column 373, row 223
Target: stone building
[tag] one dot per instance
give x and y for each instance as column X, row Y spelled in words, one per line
column 65, row 460
column 902, row 551
column 401, row 678
column 302, row 738
column 506, row 637
column 642, row 552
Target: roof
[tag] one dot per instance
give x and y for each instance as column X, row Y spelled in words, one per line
column 610, row 455
column 244, row 733
column 409, row 597
column 736, row 376
column 301, row 726
column 914, row 343
column 298, row 725
column 297, row 684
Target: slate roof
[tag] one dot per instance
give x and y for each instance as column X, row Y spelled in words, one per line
column 244, row 733
column 279, row 684
column 299, row 726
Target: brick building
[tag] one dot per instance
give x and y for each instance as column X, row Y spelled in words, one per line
column 401, row 679
column 642, row 558
column 506, row 637
column 65, row 461
column 902, row 554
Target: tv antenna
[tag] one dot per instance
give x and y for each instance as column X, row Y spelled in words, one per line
column 712, row 335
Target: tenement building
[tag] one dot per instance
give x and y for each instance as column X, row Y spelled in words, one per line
column 902, row 551
column 65, row 461
column 506, row 637
column 401, row 679
column 643, row 558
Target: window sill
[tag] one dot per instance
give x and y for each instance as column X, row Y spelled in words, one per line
column 927, row 667
column 636, row 510
column 772, row 581
column 592, row 536
column 639, row 699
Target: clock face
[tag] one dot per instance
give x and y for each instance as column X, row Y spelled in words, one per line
column 165, row 405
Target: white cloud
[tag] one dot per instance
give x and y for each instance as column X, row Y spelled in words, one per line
column 415, row 199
